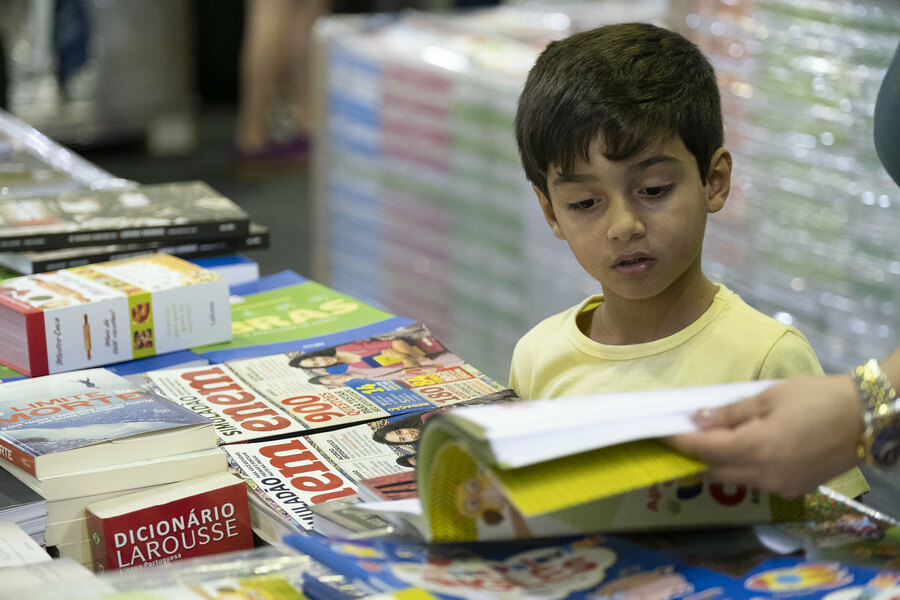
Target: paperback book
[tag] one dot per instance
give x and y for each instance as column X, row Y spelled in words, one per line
column 160, row 212
column 90, row 419
column 481, row 476
column 395, row 373
column 109, row 312
column 27, row 262
column 193, row 517
column 126, row 475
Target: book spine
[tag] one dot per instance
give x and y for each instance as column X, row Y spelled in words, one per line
column 210, row 231
column 38, row 359
column 186, row 250
column 98, row 542
column 16, row 456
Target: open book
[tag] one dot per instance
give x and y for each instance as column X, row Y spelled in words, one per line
column 574, row 465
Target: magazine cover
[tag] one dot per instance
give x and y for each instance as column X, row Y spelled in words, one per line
column 289, row 475
column 45, row 417
column 386, row 447
column 213, row 391
column 399, row 372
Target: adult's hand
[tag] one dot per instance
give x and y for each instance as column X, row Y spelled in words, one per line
column 788, row 439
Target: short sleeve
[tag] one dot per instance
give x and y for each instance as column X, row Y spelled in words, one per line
column 790, row 356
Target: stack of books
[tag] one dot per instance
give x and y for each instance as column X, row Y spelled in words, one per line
column 77, row 227
column 80, row 437
column 110, row 312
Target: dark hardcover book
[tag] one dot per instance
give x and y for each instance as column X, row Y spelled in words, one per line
column 52, row 260
column 163, row 212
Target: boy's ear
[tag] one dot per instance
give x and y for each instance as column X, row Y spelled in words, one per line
column 549, row 214
column 718, row 180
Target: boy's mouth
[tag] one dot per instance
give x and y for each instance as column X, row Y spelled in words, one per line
column 633, row 264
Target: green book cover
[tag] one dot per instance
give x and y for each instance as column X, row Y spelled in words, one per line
column 299, row 311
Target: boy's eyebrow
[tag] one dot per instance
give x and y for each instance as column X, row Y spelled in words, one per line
column 570, row 178
column 653, row 160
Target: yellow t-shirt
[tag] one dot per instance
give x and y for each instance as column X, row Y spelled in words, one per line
column 729, row 342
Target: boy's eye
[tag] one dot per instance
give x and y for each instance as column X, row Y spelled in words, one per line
column 657, row 190
column 584, row 204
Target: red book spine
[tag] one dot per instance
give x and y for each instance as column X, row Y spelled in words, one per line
column 35, row 336
column 210, row 522
column 18, row 457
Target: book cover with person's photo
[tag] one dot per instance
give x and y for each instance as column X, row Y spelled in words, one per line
column 159, row 212
column 38, row 261
column 237, row 411
column 110, row 312
column 403, row 371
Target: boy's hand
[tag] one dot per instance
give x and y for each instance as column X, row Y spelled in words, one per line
column 788, row 439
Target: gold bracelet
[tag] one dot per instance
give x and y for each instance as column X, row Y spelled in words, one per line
column 880, row 412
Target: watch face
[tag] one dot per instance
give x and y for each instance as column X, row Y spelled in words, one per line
column 886, row 445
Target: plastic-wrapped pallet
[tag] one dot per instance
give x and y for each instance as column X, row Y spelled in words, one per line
column 421, row 204
column 31, row 164
column 807, row 234
column 420, row 199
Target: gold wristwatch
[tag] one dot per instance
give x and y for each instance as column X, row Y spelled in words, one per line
column 880, row 441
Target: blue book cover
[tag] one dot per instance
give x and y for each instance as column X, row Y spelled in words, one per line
column 86, row 419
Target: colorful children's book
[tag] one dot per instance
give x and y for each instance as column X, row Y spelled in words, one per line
column 91, row 419
column 160, row 212
column 110, row 312
column 39, row 261
column 193, row 517
column 481, row 474
column 595, row 567
column 395, row 373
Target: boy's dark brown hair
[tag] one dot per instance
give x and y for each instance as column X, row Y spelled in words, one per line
column 630, row 84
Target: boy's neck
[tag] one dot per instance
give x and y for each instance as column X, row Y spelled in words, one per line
column 620, row 321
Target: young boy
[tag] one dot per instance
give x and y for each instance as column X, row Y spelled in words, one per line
column 620, row 133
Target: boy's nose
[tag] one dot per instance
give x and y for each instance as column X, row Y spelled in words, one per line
column 623, row 223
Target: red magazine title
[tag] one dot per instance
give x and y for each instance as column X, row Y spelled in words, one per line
column 210, row 522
